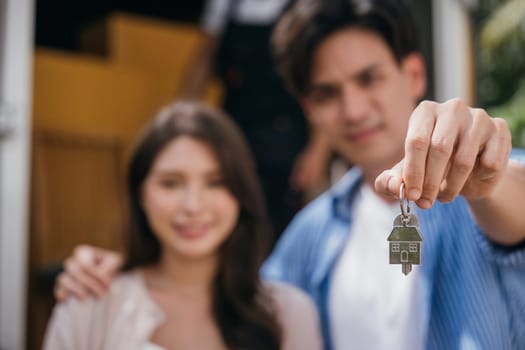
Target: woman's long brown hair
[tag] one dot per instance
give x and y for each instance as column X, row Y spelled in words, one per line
column 241, row 308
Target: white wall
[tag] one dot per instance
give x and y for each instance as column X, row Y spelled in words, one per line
column 16, row 50
column 452, row 49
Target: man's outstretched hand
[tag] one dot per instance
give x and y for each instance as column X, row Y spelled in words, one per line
column 450, row 149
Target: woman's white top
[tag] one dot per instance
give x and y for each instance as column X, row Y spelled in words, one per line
column 127, row 317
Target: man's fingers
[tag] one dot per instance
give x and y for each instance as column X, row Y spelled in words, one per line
column 99, row 263
column 466, row 155
column 496, row 153
column 86, row 255
column 67, row 283
column 444, row 138
column 88, row 272
column 492, row 162
column 86, row 277
column 452, row 149
column 60, row 294
column 109, row 265
column 416, row 148
column 389, row 181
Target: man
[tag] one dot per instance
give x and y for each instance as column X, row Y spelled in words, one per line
column 291, row 161
column 356, row 68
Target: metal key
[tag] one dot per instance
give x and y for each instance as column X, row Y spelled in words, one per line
column 405, row 240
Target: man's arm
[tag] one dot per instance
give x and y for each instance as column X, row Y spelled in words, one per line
column 501, row 215
column 310, row 168
column 200, row 69
column 88, row 272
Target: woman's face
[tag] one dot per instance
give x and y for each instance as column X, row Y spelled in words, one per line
column 187, row 204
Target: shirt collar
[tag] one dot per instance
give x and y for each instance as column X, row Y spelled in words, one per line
column 342, row 193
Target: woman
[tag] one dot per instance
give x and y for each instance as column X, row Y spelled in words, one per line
column 198, row 236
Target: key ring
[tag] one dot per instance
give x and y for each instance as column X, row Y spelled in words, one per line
column 402, row 198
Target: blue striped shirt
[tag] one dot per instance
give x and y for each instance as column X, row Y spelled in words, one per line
column 472, row 291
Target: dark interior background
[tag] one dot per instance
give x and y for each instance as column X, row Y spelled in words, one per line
column 59, row 22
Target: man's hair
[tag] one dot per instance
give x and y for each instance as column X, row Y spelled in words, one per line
column 309, row 22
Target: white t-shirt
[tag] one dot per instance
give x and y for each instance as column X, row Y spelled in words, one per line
column 372, row 305
column 257, row 12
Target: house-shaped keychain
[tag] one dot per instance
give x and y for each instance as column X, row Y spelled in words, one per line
column 405, row 242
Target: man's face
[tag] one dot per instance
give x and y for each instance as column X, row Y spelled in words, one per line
column 361, row 98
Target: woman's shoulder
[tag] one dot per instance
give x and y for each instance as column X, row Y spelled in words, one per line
column 129, row 287
column 297, row 315
column 287, row 294
column 123, row 285
column 127, row 281
column 125, row 289
column 88, row 323
column 291, row 303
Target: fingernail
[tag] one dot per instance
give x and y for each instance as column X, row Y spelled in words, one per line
column 413, row 194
